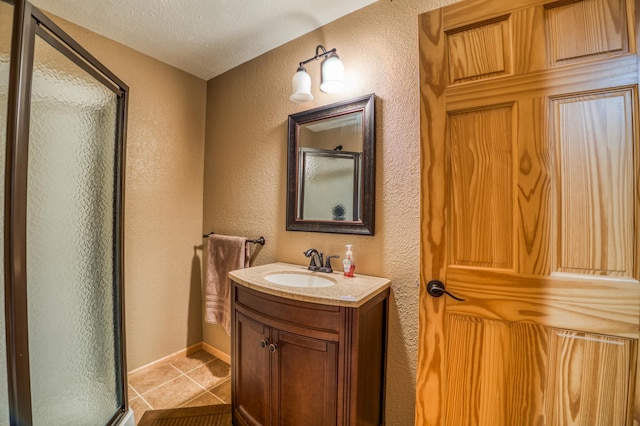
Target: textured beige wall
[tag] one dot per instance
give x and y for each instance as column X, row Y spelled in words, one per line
column 245, row 164
column 163, row 199
column 244, row 177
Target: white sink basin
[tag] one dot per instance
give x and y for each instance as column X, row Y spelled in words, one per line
column 299, row 280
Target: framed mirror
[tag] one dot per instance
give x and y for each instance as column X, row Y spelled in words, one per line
column 331, row 168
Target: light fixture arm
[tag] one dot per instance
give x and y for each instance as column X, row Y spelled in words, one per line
column 319, row 54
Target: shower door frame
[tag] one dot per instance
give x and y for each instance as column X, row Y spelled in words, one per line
column 27, row 22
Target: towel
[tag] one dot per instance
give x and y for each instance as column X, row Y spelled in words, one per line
column 224, row 254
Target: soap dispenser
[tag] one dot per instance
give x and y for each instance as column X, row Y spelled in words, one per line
column 348, row 264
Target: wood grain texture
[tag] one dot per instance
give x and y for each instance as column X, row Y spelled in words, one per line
column 559, row 81
column 433, row 169
column 528, row 35
column 508, row 355
column 589, row 381
column 497, row 372
column 464, row 353
column 503, row 373
column 580, row 30
column 603, row 306
column 470, row 11
column 287, row 374
column 479, row 52
column 482, row 202
column 533, row 189
column 593, row 137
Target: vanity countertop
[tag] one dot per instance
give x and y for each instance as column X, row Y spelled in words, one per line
column 347, row 291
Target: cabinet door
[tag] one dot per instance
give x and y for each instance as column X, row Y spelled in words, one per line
column 305, row 380
column 251, row 371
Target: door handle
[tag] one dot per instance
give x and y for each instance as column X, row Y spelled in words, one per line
column 436, row 288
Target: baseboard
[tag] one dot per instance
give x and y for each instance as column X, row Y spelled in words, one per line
column 184, row 352
column 181, row 353
column 216, row 352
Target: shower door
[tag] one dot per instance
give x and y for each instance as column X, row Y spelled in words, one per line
column 6, row 13
column 64, row 231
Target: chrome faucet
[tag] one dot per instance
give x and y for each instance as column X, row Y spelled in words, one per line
column 316, row 259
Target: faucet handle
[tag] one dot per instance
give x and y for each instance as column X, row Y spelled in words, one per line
column 327, row 265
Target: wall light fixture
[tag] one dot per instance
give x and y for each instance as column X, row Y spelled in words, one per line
column 332, row 75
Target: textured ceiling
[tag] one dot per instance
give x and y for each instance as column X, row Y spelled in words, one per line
column 202, row 37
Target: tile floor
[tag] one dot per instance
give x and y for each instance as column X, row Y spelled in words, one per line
column 181, row 381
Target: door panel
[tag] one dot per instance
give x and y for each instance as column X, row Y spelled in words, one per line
column 72, row 235
column 494, row 376
column 593, row 140
column 597, row 28
column 530, row 213
column 252, row 371
column 497, row 372
column 482, row 175
column 305, row 380
column 6, row 28
column 589, row 378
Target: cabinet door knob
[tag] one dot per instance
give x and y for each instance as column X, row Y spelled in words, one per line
column 264, row 343
column 273, row 347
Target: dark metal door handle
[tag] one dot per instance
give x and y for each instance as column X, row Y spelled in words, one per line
column 436, row 288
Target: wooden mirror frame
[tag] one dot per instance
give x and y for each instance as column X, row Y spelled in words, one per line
column 365, row 226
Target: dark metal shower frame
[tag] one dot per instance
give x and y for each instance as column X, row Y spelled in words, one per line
column 27, row 22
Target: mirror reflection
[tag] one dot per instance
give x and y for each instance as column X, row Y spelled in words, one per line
column 330, row 164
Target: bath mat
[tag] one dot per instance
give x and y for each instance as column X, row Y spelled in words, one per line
column 209, row 415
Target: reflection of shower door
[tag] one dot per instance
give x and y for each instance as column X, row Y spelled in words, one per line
column 329, row 185
column 65, row 243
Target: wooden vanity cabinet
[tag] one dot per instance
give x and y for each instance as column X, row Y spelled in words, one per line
column 295, row 362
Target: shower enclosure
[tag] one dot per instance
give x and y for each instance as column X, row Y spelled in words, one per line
column 62, row 131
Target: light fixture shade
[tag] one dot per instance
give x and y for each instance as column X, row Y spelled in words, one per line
column 301, row 83
column 332, row 74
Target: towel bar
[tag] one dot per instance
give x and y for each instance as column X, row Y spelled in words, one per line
column 259, row 240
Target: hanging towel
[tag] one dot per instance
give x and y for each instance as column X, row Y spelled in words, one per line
column 224, row 254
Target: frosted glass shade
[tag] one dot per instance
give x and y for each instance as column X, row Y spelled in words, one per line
column 301, row 83
column 332, row 75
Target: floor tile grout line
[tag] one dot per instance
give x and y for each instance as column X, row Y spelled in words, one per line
column 209, row 391
column 194, row 368
column 134, row 391
column 146, row 402
column 224, row 380
column 199, row 385
column 163, row 383
column 185, row 373
column 195, row 397
column 204, row 390
column 218, row 398
column 171, row 363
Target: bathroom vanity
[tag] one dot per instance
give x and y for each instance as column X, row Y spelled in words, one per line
column 305, row 351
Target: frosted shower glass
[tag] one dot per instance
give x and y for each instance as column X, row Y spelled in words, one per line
column 328, row 183
column 6, row 15
column 73, row 300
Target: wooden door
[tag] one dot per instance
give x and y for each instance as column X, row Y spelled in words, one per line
column 531, row 213
column 251, row 372
column 305, row 380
